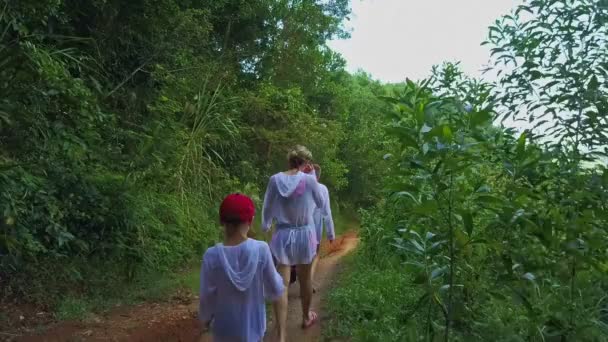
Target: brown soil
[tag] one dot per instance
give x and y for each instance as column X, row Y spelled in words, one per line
column 176, row 320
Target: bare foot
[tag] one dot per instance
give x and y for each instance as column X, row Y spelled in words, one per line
column 279, row 337
column 312, row 319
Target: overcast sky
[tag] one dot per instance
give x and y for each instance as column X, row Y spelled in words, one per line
column 395, row 39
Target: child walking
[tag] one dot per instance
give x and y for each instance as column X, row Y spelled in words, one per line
column 322, row 215
column 236, row 278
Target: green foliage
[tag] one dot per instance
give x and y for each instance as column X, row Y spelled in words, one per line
column 500, row 235
column 442, row 148
column 143, row 287
column 367, row 144
column 122, row 125
column 72, row 309
column 364, row 308
column 559, row 84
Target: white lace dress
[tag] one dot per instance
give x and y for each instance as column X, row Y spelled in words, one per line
column 290, row 200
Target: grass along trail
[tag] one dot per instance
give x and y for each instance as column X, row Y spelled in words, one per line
column 176, row 319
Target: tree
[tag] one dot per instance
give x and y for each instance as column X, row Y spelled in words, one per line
column 556, row 78
column 555, row 61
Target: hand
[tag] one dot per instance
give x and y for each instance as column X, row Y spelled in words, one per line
column 205, row 334
column 308, row 168
column 205, row 337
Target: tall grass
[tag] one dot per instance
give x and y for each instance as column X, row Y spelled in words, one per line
column 211, row 131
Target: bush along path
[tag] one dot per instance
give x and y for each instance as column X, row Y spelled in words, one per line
column 176, row 318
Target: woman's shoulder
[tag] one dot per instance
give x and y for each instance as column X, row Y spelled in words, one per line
column 275, row 176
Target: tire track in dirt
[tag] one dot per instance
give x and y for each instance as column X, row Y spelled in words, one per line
column 176, row 320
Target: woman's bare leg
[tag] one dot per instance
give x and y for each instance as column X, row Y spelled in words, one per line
column 305, row 278
column 280, row 306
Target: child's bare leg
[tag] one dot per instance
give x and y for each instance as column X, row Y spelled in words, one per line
column 280, row 305
column 313, row 267
column 305, row 278
column 315, row 262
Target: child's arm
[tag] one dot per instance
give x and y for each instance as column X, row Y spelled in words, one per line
column 317, row 195
column 207, row 295
column 267, row 209
column 327, row 217
column 273, row 283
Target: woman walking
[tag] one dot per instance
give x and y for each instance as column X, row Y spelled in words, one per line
column 291, row 198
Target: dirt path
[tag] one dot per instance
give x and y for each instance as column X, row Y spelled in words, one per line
column 176, row 320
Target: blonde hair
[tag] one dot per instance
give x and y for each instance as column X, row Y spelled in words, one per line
column 298, row 156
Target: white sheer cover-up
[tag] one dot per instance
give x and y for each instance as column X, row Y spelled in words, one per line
column 235, row 281
column 290, row 200
column 323, row 215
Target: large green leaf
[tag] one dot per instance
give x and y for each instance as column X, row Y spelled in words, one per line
column 467, row 220
column 404, row 135
column 521, row 145
column 594, row 84
column 438, row 272
column 426, row 208
column 406, row 194
column 447, row 133
column 443, row 132
column 481, row 118
column 489, row 200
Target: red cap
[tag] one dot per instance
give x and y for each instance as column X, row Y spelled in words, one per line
column 237, row 208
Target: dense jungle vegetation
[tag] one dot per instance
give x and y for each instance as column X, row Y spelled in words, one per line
column 123, row 123
column 488, row 233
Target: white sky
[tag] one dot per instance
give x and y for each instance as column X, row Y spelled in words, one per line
column 395, row 39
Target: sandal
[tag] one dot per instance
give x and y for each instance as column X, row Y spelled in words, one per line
column 312, row 319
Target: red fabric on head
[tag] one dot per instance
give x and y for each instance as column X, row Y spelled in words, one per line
column 237, row 208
